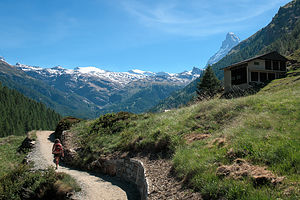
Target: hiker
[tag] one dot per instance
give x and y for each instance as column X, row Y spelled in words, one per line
column 58, row 151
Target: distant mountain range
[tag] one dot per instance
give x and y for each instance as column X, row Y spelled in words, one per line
column 20, row 114
column 282, row 34
column 63, row 103
column 231, row 41
column 183, row 96
column 95, row 91
column 87, row 92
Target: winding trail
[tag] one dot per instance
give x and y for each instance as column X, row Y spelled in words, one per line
column 94, row 187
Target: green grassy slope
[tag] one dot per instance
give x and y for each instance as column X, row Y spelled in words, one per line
column 9, row 158
column 262, row 129
column 18, row 181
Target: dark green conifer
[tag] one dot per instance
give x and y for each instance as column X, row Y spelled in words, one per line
column 209, row 84
column 20, row 114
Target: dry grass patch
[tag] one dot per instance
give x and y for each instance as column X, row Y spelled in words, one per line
column 241, row 169
column 195, row 137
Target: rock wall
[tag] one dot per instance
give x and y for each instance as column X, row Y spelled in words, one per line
column 131, row 170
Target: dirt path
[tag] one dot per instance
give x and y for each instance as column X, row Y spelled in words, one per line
column 93, row 187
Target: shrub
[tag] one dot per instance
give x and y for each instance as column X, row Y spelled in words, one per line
column 22, row 183
column 65, row 124
column 112, row 123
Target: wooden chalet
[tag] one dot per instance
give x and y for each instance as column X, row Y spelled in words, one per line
column 258, row 69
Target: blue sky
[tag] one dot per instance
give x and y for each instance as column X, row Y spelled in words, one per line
column 119, row 35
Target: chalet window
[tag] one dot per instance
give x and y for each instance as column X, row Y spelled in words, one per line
column 263, row 77
column 254, row 76
column 268, row 64
column 239, row 76
column 282, row 66
column 275, row 65
column 256, row 63
column 271, row 76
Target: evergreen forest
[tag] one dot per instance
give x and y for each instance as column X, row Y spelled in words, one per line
column 19, row 114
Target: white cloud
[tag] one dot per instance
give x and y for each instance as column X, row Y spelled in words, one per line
column 197, row 18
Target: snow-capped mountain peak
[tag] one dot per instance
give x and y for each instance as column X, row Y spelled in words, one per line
column 28, row 68
column 87, row 70
column 105, row 88
column 141, row 72
column 232, row 37
column 231, row 41
column 118, row 78
column 58, row 67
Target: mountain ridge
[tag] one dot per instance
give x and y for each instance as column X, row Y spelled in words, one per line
column 93, row 91
column 65, row 104
column 282, row 34
column 134, row 91
column 230, row 41
column 128, row 76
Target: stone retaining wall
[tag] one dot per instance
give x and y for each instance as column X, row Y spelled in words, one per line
column 131, row 170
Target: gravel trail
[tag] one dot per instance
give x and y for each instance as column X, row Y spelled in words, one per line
column 93, row 187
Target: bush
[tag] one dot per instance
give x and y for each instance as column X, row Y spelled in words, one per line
column 112, row 123
column 65, row 124
column 22, row 183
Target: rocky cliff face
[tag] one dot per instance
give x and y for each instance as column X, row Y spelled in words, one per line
column 231, row 41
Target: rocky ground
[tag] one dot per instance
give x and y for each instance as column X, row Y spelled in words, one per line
column 162, row 183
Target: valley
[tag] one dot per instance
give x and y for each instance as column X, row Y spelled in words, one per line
column 88, row 92
column 227, row 130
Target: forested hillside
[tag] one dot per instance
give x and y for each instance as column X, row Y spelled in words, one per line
column 143, row 99
column 178, row 98
column 65, row 104
column 20, row 114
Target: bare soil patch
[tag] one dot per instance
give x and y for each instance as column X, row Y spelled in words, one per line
column 195, row 137
column 163, row 184
column 240, row 169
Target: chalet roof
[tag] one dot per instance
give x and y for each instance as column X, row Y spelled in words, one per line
column 274, row 55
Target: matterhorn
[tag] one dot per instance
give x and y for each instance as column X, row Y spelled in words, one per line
column 231, row 41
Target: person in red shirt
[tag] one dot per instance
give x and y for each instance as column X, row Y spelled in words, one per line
column 57, row 151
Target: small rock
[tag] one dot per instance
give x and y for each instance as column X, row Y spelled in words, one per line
column 223, row 171
column 239, row 161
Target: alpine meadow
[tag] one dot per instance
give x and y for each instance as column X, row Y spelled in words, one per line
column 167, row 116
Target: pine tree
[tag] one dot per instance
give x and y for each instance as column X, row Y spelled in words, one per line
column 209, row 84
column 19, row 114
